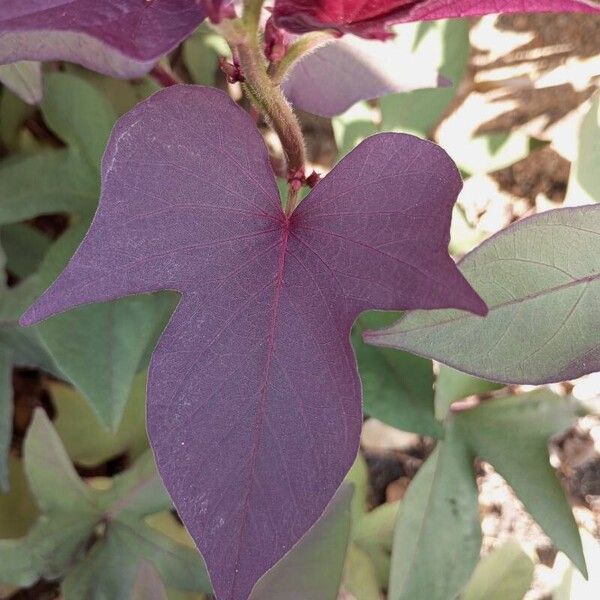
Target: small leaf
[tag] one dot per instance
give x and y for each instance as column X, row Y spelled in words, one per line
column 201, row 53
column 313, row 568
column 331, row 79
column 531, row 419
column 541, row 280
column 438, row 520
column 98, row 537
column 17, row 506
column 86, row 440
column 147, row 584
column 24, row 78
column 123, row 39
column 6, row 414
column 24, row 247
column 584, row 186
column 269, row 319
column 446, row 44
column 452, row 385
column 397, row 386
column 505, row 574
column 360, row 576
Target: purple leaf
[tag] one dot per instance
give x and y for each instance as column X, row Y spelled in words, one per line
column 122, row 38
column 331, row 79
column 373, row 19
column 254, row 398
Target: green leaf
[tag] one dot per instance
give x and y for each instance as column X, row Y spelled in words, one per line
column 201, row 52
column 584, row 184
column 438, row 522
column 13, row 113
column 360, row 575
column 122, row 94
column 17, row 506
column 25, row 248
column 24, row 77
column 63, row 180
column 443, row 43
column 98, row 537
column 147, row 584
column 313, row 568
column 79, row 115
column 505, row 574
column 358, row 476
column 99, row 348
column 572, row 585
column 51, row 181
column 86, row 440
column 397, row 386
column 512, row 435
column 373, row 533
column 6, row 414
column 352, row 127
column 541, row 281
column 113, row 337
column 452, row 385
column 447, row 46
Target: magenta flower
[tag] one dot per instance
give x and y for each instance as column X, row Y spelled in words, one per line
column 372, row 19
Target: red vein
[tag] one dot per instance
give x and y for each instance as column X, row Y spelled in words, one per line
column 258, row 426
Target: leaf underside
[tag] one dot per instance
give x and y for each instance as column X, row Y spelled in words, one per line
column 121, row 38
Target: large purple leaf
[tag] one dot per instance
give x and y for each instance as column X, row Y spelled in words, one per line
column 372, row 19
column 254, row 398
column 122, row 38
column 331, row 79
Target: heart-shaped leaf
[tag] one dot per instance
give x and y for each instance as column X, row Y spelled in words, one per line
column 122, row 38
column 541, row 279
column 256, row 366
column 372, row 19
column 97, row 537
column 331, row 79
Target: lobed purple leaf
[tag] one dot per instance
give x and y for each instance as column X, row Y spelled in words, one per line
column 254, row 408
column 121, row 38
column 373, row 19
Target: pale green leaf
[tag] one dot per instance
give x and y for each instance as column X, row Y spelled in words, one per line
column 452, row 385
column 313, row 568
column 541, row 281
column 512, row 435
column 584, row 183
column 438, row 521
column 86, row 440
column 24, row 78
column 505, row 574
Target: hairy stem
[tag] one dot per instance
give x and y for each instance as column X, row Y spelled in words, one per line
column 267, row 96
column 307, row 43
